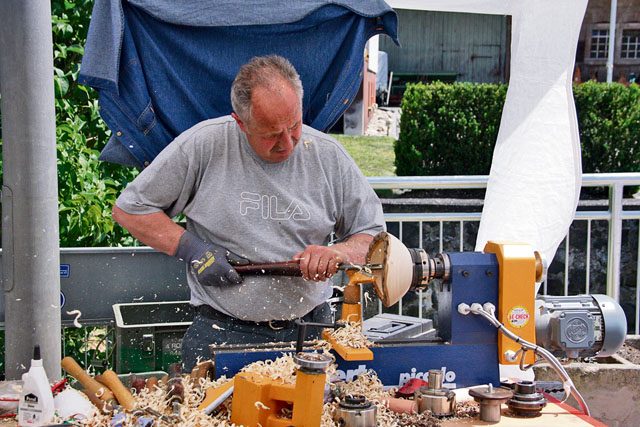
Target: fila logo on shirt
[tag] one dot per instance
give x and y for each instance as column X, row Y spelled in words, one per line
column 270, row 207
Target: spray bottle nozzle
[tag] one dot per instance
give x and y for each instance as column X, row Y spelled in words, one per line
column 36, row 352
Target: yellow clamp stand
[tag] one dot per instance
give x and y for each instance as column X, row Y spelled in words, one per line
column 352, row 312
column 260, row 400
column 518, row 269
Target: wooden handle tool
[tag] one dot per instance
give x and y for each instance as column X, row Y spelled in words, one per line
column 91, row 385
column 151, row 383
column 124, row 396
column 104, row 407
column 137, row 384
column 201, row 370
column 175, row 389
column 284, row 268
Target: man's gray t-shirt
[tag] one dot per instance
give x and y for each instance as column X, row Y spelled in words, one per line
column 266, row 212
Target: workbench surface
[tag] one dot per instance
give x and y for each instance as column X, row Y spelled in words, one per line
column 554, row 414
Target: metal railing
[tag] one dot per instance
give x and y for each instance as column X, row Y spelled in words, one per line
column 615, row 211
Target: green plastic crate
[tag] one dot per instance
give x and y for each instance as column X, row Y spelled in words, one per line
column 149, row 334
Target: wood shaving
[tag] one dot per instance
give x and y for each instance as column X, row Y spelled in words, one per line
column 260, row 405
column 100, row 392
column 367, row 298
column 76, row 321
column 351, row 336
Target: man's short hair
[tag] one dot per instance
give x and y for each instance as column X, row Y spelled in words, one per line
column 261, row 71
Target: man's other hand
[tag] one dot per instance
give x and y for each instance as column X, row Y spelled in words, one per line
column 319, row 263
column 209, row 262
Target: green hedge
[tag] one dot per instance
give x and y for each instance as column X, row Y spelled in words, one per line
column 450, row 129
column 609, row 121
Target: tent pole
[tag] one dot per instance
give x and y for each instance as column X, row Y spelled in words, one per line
column 612, row 39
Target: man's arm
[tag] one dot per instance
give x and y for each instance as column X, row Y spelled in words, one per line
column 209, row 262
column 156, row 230
column 321, row 262
column 355, row 248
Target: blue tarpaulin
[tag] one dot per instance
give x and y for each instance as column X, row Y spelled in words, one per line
column 161, row 66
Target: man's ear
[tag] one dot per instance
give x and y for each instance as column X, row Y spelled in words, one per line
column 241, row 124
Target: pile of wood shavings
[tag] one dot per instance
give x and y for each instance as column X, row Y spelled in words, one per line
column 468, row 409
column 283, row 368
column 156, row 400
column 350, row 335
column 463, row 410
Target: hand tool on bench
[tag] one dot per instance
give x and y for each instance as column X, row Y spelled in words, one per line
column 99, row 394
column 175, row 389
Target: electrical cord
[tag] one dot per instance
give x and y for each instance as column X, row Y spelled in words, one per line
column 488, row 312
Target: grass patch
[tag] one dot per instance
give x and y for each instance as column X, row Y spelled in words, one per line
column 374, row 155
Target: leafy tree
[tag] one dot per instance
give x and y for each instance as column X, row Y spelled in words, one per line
column 87, row 187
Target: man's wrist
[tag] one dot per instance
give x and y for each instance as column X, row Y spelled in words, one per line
column 355, row 248
column 190, row 246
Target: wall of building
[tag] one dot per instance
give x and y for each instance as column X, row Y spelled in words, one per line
column 473, row 46
column 597, row 17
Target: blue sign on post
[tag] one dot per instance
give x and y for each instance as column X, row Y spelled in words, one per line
column 65, row 271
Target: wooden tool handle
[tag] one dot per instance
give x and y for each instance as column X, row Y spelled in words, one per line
column 137, row 384
column 151, row 384
column 201, row 370
column 103, row 407
column 286, row 268
column 175, row 388
column 401, row 406
column 124, row 396
column 91, row 385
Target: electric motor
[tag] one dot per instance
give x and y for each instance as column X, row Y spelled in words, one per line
column 580, row 326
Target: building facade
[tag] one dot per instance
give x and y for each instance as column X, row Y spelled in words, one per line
column 472, row 47
column 593, row 44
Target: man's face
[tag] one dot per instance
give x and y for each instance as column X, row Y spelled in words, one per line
column 275, row 125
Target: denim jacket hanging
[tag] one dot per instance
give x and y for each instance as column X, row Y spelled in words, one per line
column 162, row 66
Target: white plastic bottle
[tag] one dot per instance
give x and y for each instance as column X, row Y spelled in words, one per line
column 35, row 407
